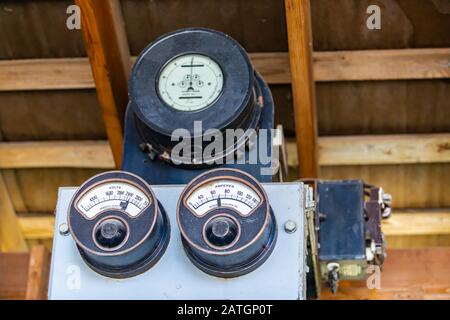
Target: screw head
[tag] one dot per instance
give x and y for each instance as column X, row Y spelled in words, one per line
column 290, row 226
column 387, row 198
column 63, row 229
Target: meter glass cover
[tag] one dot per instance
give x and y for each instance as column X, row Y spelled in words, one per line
column 115, row 195
column 227, row 193
column 190, row 82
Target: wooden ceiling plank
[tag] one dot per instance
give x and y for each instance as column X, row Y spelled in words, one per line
column 56, row 154
column 13, row 275
column 38, row 273
column 46, row 74
column 367, row 65
column 358, row 65
column 15, row 192
column 379, row 149
column 298, row 21
column 11, row 237
column 37, row 226
column 339, row 150
column 418, row 223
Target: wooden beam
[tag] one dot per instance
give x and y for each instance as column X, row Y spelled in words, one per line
column 36, row 227
column 361, row 65
column 407, row 274
column 11, row 237
column 56, row 154
column 273, row 66
column 385, row 149
column 298, row 20
column 13, row 275
column 418, row 241
column 38, row 273
column 340, row 150
column 379, row 149
column 46, row 74
column 107, row 47
column 14, row 190
column 382, row 64
column 417, row 223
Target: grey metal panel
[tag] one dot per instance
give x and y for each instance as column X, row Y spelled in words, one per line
column 282, row 276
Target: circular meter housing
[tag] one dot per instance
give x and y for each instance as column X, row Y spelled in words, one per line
column 118, row 226
column 193, row 75
column 227, row 226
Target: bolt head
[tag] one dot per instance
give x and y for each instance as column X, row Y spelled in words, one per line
column 290, row 226
column 63, row 229
column 387, row 198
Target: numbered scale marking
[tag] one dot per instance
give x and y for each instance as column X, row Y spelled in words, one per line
column 118, row 225
column 190, row 82
column 113, row 195
column 227, row 193
column 227, row 226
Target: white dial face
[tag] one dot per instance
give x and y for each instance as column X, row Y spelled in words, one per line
column 190, row 82
column 115, row 195
column 223, row 193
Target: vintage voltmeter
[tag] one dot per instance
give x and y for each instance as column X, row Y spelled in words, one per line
column 227, row 226
column 119, row 228
column 193, row 82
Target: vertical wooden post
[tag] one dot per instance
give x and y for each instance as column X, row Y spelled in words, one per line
column 11, row 237
column 13, row 187
column 107, row 47
column 38, row 273
column 298, row 20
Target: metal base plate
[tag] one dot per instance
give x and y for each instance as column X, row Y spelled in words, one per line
column 282, row 276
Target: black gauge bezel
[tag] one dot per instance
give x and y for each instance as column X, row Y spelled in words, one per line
column 255, row 241
column 184, row 214
column 85, row 226
column 226, row 52
column 147, row 234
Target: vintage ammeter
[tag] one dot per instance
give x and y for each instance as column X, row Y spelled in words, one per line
column 227, row 226
column 195, row 83
column 118, row 226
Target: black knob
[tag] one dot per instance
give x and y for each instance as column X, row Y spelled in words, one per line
column 221, row 231
column 110, row 233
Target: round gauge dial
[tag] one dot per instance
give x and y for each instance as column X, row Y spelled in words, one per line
column 227, row 226
column 118, row 225
column 190, row 82
column 227, row 193
column 189, row 76
column 117, row 195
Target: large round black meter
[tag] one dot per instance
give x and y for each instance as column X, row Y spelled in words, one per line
column 118, row 226
column 193, row 75
column 227, row 226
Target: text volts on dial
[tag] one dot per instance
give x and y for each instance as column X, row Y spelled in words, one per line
column 118, row 225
